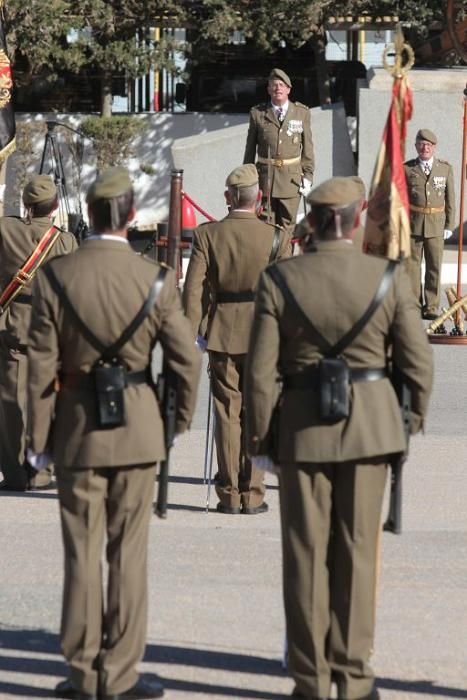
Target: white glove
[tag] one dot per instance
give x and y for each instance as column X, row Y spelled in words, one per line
column 305, row 188
column 447, row 234
column 38, row 461
column 265, row 463
column 201, row 343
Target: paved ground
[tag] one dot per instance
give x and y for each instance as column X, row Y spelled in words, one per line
column 216, row 622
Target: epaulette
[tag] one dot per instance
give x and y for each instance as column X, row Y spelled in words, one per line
column 444, row 162
column 260, row 107
column 410, row 163
column 300, row 104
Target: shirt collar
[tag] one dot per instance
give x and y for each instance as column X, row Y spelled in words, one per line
column 426, row 162
column 105, row 237
column 283, row 107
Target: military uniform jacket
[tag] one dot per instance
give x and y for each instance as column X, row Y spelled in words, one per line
column 334, row 286
column 18, row 239
column 436, row 190
column 107, row 284
column 272, row 139
column 228, row 255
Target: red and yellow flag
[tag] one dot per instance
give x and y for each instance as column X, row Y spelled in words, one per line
column 7, row 115
column 387, row 229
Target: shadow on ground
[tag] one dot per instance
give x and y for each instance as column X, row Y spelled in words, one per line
column 43, row 642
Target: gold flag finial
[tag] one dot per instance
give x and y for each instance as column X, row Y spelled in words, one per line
column 404, row 57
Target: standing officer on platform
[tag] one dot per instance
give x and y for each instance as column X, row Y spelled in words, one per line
column 19, row 237
column 332, row 470
column 104, row 431
column 229, row 255
column 281, row 133
column 430, row 184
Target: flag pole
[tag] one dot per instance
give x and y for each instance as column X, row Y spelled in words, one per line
column 461, row 208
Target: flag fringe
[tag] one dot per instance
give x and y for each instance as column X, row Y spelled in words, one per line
column 9, row 148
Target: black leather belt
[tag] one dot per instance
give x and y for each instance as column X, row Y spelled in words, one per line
column 84, row 381
column 234, row 297
column 309, row 378
column 23, row 299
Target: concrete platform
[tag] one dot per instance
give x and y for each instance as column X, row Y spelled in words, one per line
column 216, row 624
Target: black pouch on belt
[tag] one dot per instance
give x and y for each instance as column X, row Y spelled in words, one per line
column 334, row 388
column 110, row 382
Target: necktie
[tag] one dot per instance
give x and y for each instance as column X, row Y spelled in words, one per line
column 280, row 114
column 427, row 169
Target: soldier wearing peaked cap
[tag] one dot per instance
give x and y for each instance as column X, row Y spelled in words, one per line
column 430, row 184
column 106, row 432
column 336, row 421
column 19, row 239
column 279, row 140
column 227, row 259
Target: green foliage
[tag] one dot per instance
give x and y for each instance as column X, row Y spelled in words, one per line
column 265, row 23
column 112, row 138
column 104, row 36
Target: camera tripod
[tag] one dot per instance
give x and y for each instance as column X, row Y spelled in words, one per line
column 52, row 164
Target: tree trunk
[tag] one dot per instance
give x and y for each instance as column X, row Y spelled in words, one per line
column 319, row 49
column 106, row 93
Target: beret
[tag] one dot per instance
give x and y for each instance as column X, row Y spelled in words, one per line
column 40, row 188
column 336, row 192
column 426, row 135
column 280, row 75
column 360, row 185
column 109, row 184
column 243, row 176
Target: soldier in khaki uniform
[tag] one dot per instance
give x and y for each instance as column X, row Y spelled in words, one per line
column 430, row 183
column 18, row 239
column 105, row 475
column 229, row 255
column 332, row 474
column 280, row 131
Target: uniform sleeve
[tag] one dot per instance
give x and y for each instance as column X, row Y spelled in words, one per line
column 43, row 364
column 450, row 202
column 411, row 351
column 251, row 141
column 195, row 291
column 308, row 157
column 261, row 387
column 180, row 352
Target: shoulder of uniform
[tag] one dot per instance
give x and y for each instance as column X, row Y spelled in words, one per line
column 444, row 162
column 261, row 107
column 410, row 163
column 300, row 104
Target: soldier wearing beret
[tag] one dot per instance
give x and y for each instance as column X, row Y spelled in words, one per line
column 18, row 239
column 105, row 449
column 332, row 468
column 279, row 134
column 430, row 184
column 228, row 257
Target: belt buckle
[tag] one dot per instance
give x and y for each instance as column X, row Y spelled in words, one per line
column 279, row 162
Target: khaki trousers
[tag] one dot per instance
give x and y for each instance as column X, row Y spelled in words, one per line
column 431, row 249
column 331, row 517
column 283, row 212
column 13, row 415
column 103, row 641
column 238, row 483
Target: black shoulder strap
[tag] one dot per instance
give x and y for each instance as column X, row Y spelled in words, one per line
column 275, row 244
column 108, row 353
column 325, row 345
